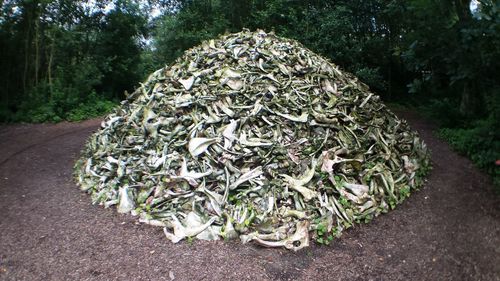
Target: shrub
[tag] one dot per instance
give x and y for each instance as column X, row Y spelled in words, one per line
column 62, row 107
column 91, row 108
column 444, row 112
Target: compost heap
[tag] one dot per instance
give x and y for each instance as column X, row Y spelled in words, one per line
column 252, row 136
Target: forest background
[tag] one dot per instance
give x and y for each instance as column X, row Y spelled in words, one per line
column 74, row 60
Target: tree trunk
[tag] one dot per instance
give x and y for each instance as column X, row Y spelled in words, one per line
column 37, row 48
column 463, row 10
column 27, row 41
column 49, row 66
column 471, row 101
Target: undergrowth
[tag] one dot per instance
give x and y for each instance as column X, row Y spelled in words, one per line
column 480, row 143
column 478, row 139
column 56, row 110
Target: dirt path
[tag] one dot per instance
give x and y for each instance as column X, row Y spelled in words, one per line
column 449, row 230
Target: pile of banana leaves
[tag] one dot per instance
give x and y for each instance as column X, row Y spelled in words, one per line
column 252, row 136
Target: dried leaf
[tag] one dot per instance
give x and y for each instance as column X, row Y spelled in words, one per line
column 188, row 82
column 228, row 134
column 302, row 118
column 126, row 201
column 246, row 177
column 198, row 146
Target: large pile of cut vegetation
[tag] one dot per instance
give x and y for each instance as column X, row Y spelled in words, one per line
column 252, row 136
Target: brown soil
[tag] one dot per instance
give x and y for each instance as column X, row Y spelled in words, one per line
column 449, row 230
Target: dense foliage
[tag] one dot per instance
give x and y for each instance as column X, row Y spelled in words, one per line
column 62, row 57
column 74, row 59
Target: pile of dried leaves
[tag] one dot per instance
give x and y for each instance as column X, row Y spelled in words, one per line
column 252, row 136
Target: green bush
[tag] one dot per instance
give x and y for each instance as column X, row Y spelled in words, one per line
column 444, row 112
column 43, row 113
column 371, row 77
column 62, row 107
column 93, row 107
column 5, row 114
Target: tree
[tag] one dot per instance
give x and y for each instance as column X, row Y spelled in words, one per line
column 119, row 47
column 61, row 53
